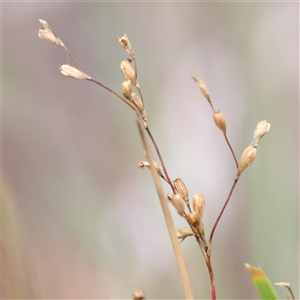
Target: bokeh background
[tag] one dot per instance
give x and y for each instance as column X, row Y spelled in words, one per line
column 80, row 220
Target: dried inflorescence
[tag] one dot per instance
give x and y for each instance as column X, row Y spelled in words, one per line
column 250, row 152
column 74, row 73
column 48, row 35
column 179, row 197
column 128, row 71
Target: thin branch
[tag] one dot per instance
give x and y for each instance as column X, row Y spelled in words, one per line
column 170, row 225
column 71, row 56
column 231, row 149
column 221, row 213
column 113, row 92
column 161, row 160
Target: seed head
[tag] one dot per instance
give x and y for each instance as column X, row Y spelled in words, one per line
column 194, row 219
column 72, row 72
column 199, row 204
column 183, row 233
column 181, row 189
column 48, row 35
column 220, row 121
column 137, row 102
column 146, row 164
column 178, row 203
column 128, row 71
column 203, row 88
column 261, row 129
column 126, row 88
column 247, row 158
column 125, row 43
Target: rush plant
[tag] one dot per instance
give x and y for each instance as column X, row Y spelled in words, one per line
column 189, row 208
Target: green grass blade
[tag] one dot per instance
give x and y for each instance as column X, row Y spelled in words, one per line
column 262, row 283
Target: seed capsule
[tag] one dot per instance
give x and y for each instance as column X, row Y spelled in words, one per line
column 178, row 203
column 247, row 158
column 261, row 129
column 72, row 72
column 199, row 204
column 128, row 71
column 48, row 35
column 125, row 43
column 181, row 189
column 220, row 121
column 126, row 88
column 203, row 88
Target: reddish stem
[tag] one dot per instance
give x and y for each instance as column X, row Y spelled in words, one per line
column 223, row 208
column 161, row 160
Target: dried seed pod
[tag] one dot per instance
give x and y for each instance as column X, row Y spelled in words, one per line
column 126, row 88
column 199, row 204
column 261, row 129
column 137, row 102
column 183, row 233
column 203, row 88
column 220, row 121
column 181, row 189
column 247, row 158
column 125, row 43
column 128, row 71
column 48, row 35
column 74, row 73
column 158, row 169
column 194, row 219
column 139, row 295
column 178, row 203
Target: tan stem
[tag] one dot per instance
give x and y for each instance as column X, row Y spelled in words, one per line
column 170, row 225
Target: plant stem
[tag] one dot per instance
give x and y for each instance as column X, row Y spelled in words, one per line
column 223, row 208
column 170, row 225
column 161, row 160
column 113, row 92
column 229, row 145
column 212, row 280
column 71, row 56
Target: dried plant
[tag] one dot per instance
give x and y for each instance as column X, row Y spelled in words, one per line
column 179, row 199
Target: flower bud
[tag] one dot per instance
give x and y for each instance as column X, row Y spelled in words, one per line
column 183, row 233
column 247, row 158
column 198, row 204
column 137, row 102
column 261, row 129
column 72, row 72
column 125, row 43
column 220, row 121
column 203, row 88
column 128, row 71
column 48, row 35
column 181, row 189
column 178, row 203
column 126, row 89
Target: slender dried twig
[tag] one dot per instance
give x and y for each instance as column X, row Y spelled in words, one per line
column 170, row 225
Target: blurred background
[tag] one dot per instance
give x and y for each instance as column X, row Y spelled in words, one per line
column 80, row 220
